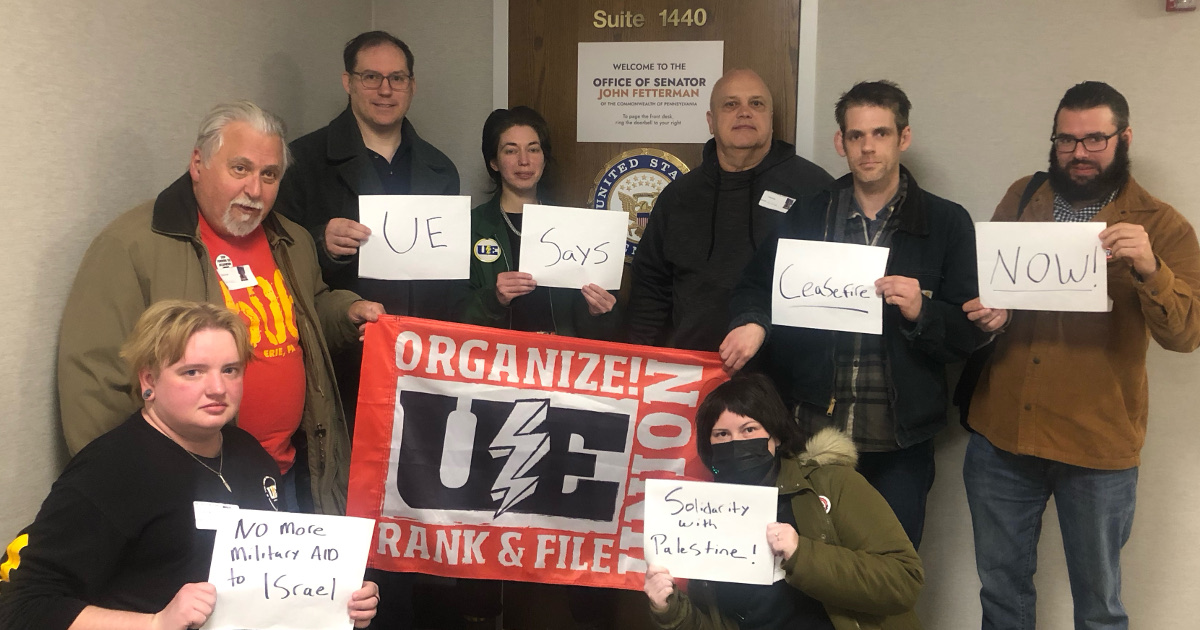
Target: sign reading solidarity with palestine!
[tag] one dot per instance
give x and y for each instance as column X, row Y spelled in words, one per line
column 493, row 454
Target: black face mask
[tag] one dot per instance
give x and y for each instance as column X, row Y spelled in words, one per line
column 747, row 462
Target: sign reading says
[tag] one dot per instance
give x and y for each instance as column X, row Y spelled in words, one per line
column 283, row 570
column 1042, row 266
column 415, row 237
column 711, row 531
column 494, row 454
column 571, row 247
column 828, row 286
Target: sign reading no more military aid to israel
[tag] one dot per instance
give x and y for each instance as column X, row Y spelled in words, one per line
column 493, row 454
column 646, row 92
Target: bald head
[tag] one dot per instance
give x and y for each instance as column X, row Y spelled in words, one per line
column 739, row 81
column 739, row 118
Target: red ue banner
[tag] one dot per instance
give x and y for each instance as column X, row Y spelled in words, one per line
column 487, row 453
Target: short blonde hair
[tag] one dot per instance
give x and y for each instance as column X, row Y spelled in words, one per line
column 161, row 335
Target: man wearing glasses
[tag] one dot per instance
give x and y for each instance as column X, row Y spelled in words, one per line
column 369, row 149
column 1060, row 408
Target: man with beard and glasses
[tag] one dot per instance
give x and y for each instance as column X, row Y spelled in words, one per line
column 1061, row 406
column 211, row 237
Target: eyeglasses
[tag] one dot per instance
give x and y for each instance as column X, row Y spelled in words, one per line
column 1064, row 143
column 373, row 80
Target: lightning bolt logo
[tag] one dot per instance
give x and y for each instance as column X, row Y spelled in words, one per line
column 524, row 448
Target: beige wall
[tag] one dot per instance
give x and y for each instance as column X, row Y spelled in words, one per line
column 100, row 104
column 984, row 79
column 100, row 107
column 452, row 43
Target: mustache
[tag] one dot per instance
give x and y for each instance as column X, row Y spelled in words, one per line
column 246, row 201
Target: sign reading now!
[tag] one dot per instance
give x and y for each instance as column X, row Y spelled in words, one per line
column 1042, row 266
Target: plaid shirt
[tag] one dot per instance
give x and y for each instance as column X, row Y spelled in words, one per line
column 1064, row 213
column 860, row 390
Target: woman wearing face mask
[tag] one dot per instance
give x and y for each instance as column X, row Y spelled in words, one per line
column 848, row 562
column 516, row 151
column 115, row 544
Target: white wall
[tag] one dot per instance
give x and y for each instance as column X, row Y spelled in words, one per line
column 100, row 105
column 452, row 44
column 984, row 79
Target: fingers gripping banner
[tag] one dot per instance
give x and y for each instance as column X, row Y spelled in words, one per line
column 493, row 454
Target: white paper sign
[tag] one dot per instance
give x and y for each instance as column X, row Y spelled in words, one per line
column 828, row 286
column 646, row 92
column 1042, row 266
column 277, row 570
column 711, row 531
column 571, row 247
column 415, row 237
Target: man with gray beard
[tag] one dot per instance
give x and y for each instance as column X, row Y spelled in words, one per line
column 211, row 236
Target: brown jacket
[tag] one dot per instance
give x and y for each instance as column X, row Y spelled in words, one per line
column 154, row 252
column 1071, row 387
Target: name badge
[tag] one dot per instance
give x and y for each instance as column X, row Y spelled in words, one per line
column 210, row 515
column 235, row 277
column 776, row 201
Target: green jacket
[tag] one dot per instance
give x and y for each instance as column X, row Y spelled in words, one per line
column 154, row 252
column 569, row 309
column 854, row 557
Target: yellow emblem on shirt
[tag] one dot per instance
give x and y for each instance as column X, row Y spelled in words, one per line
column 14, row 556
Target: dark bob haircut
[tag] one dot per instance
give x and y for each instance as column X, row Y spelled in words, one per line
column 502, row 120
column 752, row 396
column 883, row 94
column 371, row 39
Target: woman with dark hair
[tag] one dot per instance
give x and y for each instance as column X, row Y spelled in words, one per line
column 847, row 561
column 115, row 544
column 516, row 152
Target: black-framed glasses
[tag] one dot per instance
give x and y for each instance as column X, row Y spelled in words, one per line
column 371, row 80
column 1064, row 143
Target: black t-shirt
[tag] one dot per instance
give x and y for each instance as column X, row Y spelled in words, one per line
column 118, row 529
column 531, row 312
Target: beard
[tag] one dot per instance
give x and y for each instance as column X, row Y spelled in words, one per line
column 1097, row 187
column 236, row 224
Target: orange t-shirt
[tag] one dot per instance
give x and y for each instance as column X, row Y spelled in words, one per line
column 274, row 385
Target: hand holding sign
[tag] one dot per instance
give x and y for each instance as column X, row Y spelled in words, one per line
column 711, row 531
column 296, row 571
column 415, row 237
column 828, row 286
column 572, row 247
column 1042, row 266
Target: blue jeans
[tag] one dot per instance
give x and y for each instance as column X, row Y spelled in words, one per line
column 903, row 478
column 1007, row 495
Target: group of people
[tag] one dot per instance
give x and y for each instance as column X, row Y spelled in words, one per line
column 204, row 305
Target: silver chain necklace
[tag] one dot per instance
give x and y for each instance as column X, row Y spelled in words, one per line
column 509, row 222
column 220, row 463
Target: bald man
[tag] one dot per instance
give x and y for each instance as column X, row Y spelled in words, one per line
column 708, row 223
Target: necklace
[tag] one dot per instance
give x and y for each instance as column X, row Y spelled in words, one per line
column 220, row 464
column 509, row 222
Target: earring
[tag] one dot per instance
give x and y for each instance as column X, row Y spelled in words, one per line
column 147, row 394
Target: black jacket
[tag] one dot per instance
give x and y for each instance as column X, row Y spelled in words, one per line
column 330, row 169
column 689, row 258
column 934, row 242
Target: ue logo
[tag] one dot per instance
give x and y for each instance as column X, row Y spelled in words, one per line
column 521, row 457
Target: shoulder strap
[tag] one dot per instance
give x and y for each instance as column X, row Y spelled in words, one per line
column 1035, row 183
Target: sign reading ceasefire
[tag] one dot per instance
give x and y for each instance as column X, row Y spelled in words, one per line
column 493, row 454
